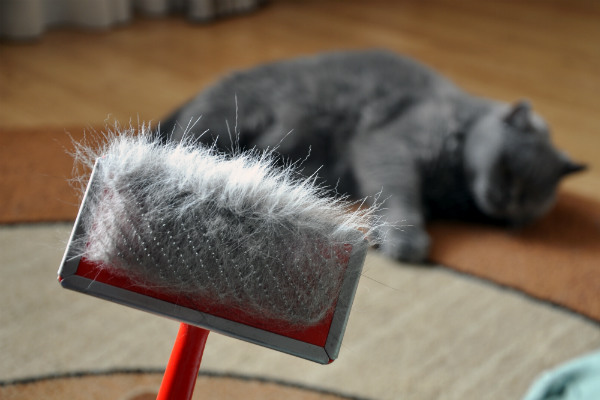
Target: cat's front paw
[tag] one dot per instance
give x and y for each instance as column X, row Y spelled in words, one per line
column 408, row 244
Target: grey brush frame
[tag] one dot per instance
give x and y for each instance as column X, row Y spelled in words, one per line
column 68, row 278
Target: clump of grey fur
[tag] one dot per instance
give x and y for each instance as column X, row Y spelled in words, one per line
column 379, row 122
column 235, row 230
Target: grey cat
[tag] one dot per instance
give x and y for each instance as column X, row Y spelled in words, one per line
column 380, row 123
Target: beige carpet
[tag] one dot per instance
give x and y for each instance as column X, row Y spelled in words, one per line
column 414, row 333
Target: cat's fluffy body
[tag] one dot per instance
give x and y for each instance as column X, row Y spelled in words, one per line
column 375, row 122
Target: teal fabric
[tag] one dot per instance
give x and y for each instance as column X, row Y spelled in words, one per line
column 576, row 380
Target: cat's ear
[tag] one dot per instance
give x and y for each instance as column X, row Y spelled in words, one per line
column 519, row 115
column 570, row 167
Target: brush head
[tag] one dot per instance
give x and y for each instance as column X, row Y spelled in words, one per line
column 231, row 231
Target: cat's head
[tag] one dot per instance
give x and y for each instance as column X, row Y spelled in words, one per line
column 512, row 166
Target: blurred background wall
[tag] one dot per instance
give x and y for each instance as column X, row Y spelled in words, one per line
column 27, row 19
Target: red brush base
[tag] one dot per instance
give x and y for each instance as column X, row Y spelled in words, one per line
column 181, row 373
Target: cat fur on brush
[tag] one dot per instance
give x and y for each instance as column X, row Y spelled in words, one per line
column 376, row 123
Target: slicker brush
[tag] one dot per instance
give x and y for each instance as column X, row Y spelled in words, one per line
column 231, row 243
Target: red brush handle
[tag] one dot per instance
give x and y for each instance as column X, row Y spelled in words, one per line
column 181, row 373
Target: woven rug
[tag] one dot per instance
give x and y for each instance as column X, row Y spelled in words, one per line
column 556, row 259
column 415, row 333
column 143, row 385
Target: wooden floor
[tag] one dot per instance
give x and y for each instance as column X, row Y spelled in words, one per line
column 548, row 52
